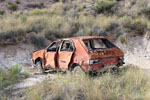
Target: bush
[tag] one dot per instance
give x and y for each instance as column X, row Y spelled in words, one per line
column 134, row 25
column 23, row 18
column 145, row 11
column 37, row 24
column 105, row 5
column 2, row 12
column 138, row 27
column 36, row 5
column 11, row 77
column 36, row 12
column 38, row 40
column 2, row 75
column 15, row 70
column 17, row 2
column 12, row 6
column 124, row 40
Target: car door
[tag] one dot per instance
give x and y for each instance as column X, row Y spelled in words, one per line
column 51, row 54
column 65, row 54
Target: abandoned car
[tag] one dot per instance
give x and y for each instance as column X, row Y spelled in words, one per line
column 86, row 54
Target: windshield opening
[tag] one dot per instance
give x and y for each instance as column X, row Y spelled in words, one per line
column 93, row 44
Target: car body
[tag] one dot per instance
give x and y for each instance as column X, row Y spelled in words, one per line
column 91, row 53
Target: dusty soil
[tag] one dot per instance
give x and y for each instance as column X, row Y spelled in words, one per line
column 137, row 51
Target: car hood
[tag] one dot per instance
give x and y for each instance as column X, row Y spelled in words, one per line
column 105, row 53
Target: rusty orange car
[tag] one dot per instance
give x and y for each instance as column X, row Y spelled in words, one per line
column 84, row 53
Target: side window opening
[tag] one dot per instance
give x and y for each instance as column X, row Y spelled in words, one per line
column 93, row 44
column 108, row 44
column 52, row 47
column 67, row 46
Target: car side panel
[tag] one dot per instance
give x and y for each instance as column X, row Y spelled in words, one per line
column 38, row 54
column 80, row 56
column 64, row 59
column 50, row 60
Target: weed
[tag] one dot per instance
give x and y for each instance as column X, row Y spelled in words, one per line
column 15, row 70
column 105, row 5
column 23, row 18
column 2, row 75
column 124, row 40
column 17, row 2
column 37, row 40
column 36, row 12
column 12, row 6
column 2, row 12
column 11, row 77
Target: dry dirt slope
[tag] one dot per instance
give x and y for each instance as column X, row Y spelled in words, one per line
column 137, row 51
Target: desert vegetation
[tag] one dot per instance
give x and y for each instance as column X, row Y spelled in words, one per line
column 12, row 76
column 40, row 22
column 75, row 18
column 130, row 83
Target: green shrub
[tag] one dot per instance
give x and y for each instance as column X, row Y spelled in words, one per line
column 36, row 5
column 17, row 2
column 124, row 40
column 139, row 27
column 36, row 12
column 12, row 6
column 12, row 76
column 134, row 25
column 105, row 5
column 23, row 18
column 145, row 11
column 15, row 70
column 37, row 24
column 38, row 40
column 2, row 75
column 2, row 12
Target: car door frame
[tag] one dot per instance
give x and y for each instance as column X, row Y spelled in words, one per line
column 61, row 44
column 54, row 55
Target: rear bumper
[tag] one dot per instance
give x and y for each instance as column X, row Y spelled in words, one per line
column 101, row 67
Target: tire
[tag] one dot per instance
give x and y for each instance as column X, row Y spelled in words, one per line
column 77, row 71
column 39, row 67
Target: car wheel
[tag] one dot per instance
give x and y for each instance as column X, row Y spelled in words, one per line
column 39, row 67
column 77, row 71
column 115, row 70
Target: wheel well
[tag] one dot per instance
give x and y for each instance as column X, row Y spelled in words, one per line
column 72, row 66
column 37, row 59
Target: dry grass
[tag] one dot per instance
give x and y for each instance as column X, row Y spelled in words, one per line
column 130, row 84
column 67, row 19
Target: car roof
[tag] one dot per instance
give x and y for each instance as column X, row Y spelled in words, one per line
column 83, row 37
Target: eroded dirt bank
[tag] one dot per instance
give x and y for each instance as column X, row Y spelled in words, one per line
column 137, row 51
column 11, row 55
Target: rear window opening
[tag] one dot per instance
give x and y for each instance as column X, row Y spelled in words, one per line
column 94, row 44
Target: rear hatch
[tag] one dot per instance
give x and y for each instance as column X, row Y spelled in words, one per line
column 102, row 48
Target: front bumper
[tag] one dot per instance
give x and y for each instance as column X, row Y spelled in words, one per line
column 32, row 63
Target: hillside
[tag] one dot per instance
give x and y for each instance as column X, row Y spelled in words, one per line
column 29, row 25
